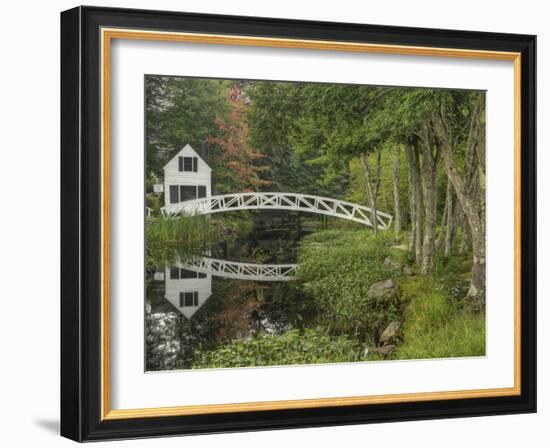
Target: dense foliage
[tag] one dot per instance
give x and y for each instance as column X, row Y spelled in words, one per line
column 337, row 268
column 310, row 346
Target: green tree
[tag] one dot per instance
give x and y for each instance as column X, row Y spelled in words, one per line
column 180, row 111
column 337, row 124
column 282, row 125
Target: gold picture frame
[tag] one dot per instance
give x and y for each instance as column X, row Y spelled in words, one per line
column 108, row 30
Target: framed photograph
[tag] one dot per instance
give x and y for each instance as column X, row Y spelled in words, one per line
column 276, row 224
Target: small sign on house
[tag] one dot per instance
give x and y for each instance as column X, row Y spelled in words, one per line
column 186, row 176
column 158, row 188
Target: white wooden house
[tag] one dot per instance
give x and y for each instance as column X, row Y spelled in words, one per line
column 186, row 290
column 186, row 176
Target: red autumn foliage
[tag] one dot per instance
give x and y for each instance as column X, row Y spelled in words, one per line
column 236, row 318
column 238, row 156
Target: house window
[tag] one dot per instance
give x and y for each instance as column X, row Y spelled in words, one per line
column 185, row 273
column 180, row 193
column 174, row 273
column 174, row 196
column 189, row 299
column 188, row 192
column 188, row 164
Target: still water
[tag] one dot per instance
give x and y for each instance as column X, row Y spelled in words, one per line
column 231, row 291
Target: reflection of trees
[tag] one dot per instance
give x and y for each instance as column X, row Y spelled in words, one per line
column 285, row 306
column 236, row 318
column 172, row 339
column 237, row 310
column 161, row 344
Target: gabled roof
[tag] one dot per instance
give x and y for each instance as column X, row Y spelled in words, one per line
column 187, row 147
column 190, row 310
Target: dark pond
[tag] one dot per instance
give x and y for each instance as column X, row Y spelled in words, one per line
column 233, row 290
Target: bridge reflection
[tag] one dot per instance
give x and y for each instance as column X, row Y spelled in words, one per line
column 188, row 283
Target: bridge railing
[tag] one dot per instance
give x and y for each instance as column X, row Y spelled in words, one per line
column 282, row 201
column 240, row 270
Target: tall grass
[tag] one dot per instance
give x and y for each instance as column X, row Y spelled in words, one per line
column 436, row 326
column 189, row 231
column 169, row 239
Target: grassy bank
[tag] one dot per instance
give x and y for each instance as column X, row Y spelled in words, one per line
column 435, row 325
column 337, row 268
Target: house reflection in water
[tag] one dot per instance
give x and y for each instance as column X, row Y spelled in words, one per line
column 186, row 290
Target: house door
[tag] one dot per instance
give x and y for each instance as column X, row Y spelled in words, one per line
column 174, row 194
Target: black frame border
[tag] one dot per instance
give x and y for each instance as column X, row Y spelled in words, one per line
column 81, row 223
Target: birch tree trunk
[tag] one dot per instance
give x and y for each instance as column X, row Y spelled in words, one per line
column 396, row 177
column 465, row 239
column 467, row 194
column 372, row 184
column 451, row 221
column 444, row 218
column 412, row 198
column 414, row 165
column 430, row 160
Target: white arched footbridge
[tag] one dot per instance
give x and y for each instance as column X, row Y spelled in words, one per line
column 279, row 201
column 241, row 271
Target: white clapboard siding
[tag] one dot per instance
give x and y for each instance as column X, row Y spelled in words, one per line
column 173, row 287
column 172, row 175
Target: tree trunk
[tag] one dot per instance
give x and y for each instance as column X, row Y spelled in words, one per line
column 465, row 240
column 414, row 165
column 412, row 198
column 419, row 212
column 396, row 177
column 448, row 228
column 430, row 160
column 476, row 292
column 444, row 218
column 477, row 230
column 372, row 185
column 467, row 194
column 451, row 223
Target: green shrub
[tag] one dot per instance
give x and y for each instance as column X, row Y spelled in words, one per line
column 152, row 201
column 149, row 182
column 293, row 347
column 337, row 268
